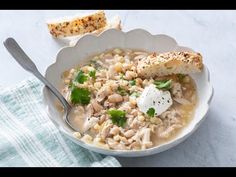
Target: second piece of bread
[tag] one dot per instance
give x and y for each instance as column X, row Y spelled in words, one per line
column 170, row 63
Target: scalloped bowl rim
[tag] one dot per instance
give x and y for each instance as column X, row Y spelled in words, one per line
column 128, row 153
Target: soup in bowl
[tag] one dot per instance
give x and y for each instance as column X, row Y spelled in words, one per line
column 133, row 93
column 117, row 109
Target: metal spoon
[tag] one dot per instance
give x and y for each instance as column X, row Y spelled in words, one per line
column 19, row 55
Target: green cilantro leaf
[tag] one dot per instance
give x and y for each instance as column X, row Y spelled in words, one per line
column 163, row 84
column 71, row 84
column 132, row 82
column 121, row 91
column 80, row 95
column 151, row 112
column 117, row 117
column 81, row 77
column 92, row 74
column 122, row 76
column 135, row 94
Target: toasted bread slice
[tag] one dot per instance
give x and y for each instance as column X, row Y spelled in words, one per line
column 77, row 25
column 170, row 63
column 113, row 23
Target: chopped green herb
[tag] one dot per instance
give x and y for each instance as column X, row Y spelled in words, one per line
column 163, row 84
column 71, row 84
column 135, row 94
column 151, row 112
column 121, row 91
column 132, row 82
column 92, row 74
column 117, row 117
column 122, row 76
column 80, row 95
column 81, row 77
column 181, row 77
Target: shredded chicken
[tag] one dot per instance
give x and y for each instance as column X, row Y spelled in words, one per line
column 177, row 90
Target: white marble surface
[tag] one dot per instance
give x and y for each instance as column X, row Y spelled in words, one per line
column 213, row 33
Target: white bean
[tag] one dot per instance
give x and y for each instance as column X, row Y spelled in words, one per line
column 87, row 138
column 115, row 98
column 114, row 131
column 129, row 133
column 130, row 75
column 77, row 134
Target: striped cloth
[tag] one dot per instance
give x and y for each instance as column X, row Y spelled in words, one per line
column 29, row 138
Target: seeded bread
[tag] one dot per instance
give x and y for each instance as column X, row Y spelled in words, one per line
column 77, row 25
column 170, row 63
column 114, row 23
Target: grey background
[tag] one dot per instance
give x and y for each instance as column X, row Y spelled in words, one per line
column 213, row 33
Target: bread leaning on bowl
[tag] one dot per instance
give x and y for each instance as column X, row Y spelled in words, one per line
column 170, row 63
column 70, row 29
column 77, row 25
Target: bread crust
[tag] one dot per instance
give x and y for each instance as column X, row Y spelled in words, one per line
column 170, row 63
column 114, row 23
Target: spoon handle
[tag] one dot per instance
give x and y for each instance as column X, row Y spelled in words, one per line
column 20, row 56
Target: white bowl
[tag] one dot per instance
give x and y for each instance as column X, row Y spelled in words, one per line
column 69, row 57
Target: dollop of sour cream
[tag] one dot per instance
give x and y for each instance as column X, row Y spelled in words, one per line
column 152, row 97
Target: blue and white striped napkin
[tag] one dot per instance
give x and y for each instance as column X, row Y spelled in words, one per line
column 29, row 138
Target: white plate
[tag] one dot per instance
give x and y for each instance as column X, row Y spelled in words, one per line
column 69, row 57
